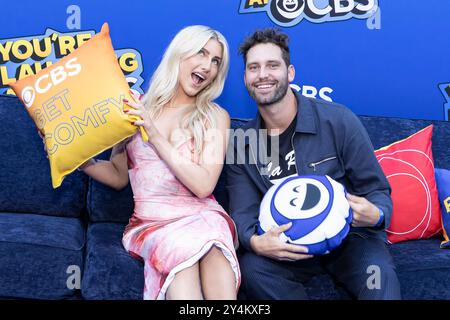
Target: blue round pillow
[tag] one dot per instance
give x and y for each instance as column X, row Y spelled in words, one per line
column 317, row 207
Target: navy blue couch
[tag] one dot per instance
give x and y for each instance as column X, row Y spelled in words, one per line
column 66, row 243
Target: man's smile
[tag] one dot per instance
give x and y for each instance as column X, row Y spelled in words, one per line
column 265, row 86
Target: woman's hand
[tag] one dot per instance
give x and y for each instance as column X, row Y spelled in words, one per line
column 145, row 121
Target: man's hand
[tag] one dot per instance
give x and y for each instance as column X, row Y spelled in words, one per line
column 365, row 213
column 270, row 245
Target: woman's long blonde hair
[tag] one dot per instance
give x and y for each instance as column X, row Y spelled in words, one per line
column 164, row 81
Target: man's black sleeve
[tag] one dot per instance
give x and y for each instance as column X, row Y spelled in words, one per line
column 362, row 167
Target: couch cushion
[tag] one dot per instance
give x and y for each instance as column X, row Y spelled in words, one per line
column 111, row 272
column 25, row 170
column 105, row 204
column 38, row 254
column 108, row 205
column 423, row 269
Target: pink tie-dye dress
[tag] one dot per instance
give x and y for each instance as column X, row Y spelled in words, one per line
column 171, row 228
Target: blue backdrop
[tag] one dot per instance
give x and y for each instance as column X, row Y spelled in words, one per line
column 390, row 62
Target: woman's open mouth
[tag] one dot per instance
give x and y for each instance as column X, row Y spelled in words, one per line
column 197, row 78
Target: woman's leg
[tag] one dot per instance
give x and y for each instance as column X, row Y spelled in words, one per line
column 186, row 285
column 217, row 277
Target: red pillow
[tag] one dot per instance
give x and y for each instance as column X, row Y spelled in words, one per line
column 408, row 165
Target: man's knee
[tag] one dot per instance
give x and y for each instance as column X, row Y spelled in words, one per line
column 251, row 264
column 265, row 278
column 367, row 269
column 253, row 280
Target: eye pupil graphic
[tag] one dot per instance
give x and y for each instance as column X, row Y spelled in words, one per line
column 313, row 197
column 292, row 202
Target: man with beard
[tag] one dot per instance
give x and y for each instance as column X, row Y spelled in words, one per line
column 311, row 137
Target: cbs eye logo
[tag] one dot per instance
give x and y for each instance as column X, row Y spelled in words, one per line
column 286, row 10
column 28, row 95
column 48, row 80
column 288, row 13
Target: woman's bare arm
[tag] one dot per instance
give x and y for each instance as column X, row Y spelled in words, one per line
column 113, row 173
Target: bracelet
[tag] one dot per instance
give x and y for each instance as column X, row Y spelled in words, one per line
column 380, row 221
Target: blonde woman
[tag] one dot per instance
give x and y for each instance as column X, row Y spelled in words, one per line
column 184, row 237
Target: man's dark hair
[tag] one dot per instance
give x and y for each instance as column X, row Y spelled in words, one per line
column 268, row 35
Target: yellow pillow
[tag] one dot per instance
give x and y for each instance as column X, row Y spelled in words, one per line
column 77, row 104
